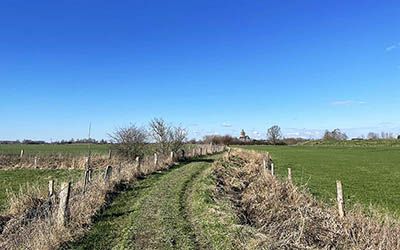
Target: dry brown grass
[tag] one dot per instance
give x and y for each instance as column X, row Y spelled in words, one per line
column 31, row 223
column 288, row 217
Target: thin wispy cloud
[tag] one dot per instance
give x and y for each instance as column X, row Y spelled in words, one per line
column 393, row 47
column 347, row 103
column 226, row 125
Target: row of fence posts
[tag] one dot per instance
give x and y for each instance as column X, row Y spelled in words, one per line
column 65, row 193
column 195, row 152
column 339, row 187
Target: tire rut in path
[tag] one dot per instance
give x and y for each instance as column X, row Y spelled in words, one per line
column 152, row 215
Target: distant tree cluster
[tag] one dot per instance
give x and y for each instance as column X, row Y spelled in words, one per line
column 131, row 141
column 382, row 136
column 221, row 140
column 335, row 135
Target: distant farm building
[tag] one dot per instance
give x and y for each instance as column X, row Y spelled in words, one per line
column 243, row 137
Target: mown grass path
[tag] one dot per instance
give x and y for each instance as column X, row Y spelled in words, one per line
column 151, row 214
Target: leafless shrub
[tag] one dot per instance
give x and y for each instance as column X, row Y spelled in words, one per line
column 129, row 141
column 166, row 137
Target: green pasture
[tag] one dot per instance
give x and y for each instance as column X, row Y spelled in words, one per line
column 17, row 180
column 370, row 175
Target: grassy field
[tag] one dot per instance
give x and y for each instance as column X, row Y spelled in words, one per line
column 46, row 149
column 13, row 180
column 370, row 175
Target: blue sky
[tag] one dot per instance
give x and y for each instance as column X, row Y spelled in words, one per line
column 211, row 66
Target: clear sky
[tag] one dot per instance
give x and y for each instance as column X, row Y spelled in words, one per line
column 211, row 66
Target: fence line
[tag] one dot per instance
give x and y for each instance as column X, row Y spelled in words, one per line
column 60, row 209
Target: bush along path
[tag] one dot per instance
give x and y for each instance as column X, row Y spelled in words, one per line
column 153, row 213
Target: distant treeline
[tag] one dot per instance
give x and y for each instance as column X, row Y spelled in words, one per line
column 230, row 140
column 71, row 141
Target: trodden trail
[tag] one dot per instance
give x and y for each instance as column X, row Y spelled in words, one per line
column 151, row 214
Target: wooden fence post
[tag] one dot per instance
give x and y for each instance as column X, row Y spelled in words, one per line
column 265, row 164
column 340, row 200
column 35, row 161
column 51, row 188
column 107, row 174
column 22, row 153
column 172, row 156
column 272, row 169
column 183, row 154
column 289, row 172
column 155, row 159
column 109, row 154
column 63, row 208
column 138, row 165
column 86, row 180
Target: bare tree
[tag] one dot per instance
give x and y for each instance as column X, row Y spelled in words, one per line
column 372, row 136
column 166, row 137
column 274, row 134
column 335, row 135
column 129, row 141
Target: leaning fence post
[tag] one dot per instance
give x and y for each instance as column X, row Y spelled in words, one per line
column 51, row 188
column 289, row 172
column 63, row 209
column 265, row 164
column 22, row 153
column 340, row 200
column 107, row 174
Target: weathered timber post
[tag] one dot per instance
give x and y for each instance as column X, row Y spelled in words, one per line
column 265, row 163
column 109, row 154
column 138, row 165
column 272, row 169
column 35, row 162
column 107, row 174
column 155, row 159
column 21, row 154
column 229, row 151
column 51, row 188
column 289, row 172
column 86, row 179
column 183, row 154
column 172, row 156
column 340, row 200
column 63, row 208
